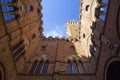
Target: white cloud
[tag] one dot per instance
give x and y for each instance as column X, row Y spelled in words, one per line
column 56, row 30
column 52, row 33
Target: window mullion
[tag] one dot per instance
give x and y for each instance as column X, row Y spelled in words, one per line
column 36, row 67
column 42, row 66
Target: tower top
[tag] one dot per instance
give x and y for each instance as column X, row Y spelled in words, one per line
column 72, row 22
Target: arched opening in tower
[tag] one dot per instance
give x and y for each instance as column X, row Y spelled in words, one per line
column 113, row 72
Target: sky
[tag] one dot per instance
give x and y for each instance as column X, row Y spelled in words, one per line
column 55, row 15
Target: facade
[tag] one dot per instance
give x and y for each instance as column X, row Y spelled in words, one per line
column 92, row 51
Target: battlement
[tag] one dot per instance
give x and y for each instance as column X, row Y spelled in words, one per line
column 72, row 22
column 57, row 38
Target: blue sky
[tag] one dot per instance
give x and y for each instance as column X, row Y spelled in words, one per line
column 55, row 15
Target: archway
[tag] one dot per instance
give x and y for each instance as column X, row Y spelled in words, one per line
column 2, row 72
column 113, row 71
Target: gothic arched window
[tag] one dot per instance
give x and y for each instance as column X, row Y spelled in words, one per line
column 45, row 67
column 69, row 67
column 33, row 67
column 39, row 67
column 74, row 67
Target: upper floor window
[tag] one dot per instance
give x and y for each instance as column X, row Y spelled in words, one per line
column 87, row 7
column 45, row 67
column 33, row 67
column 83, row 35
column 73, row 67
column 30, row 8
column 69, row 67
column 8, row 10
column 18, row 50
column 39, row 67
column 103, row 10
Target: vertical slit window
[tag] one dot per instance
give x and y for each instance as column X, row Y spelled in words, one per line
column 33, row 67
column 39, row 67
column 45, row 67
column 69, row 67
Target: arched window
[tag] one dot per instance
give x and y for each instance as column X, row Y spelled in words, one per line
column 30, row 8
column 81, row 67
column 18, row 50
column 45, row 67
column 33, row 67
column 87, row 7
column 113, row 71
column 8, row 10
column 72, row 67
column 103, row 10
column 83, row 35
column 39, row 67
column 69, row 67
column 75, row 67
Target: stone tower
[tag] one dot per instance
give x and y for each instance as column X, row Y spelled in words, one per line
column 73, row 30
column 92, row 51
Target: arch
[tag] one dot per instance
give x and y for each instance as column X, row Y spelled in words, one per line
column 113, row 71
column 2, row 72
column 45, row 67
column 69, row 67
column 72, row 58
column 42, row 57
